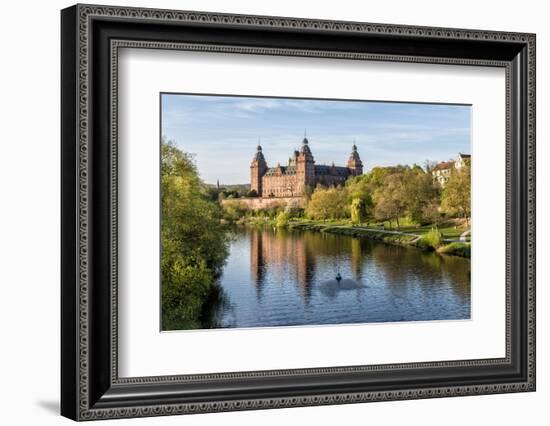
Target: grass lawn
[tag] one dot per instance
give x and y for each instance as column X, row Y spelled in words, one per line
column 407, row 234
column 448, row 229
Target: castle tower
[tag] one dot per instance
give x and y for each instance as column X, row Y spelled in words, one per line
column 305, row 168
column 257, row 171
column 355, row 165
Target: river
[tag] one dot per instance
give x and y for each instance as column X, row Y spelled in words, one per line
column 285, row 278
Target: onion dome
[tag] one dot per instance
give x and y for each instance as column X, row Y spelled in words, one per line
column 354, row 160
column 354, row 154
column 305, row 148
column 259, row 159
column 259, row 155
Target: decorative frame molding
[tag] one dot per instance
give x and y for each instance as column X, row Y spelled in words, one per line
column 91, row 388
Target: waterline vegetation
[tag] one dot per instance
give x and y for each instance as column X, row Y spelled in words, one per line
column 398, row 205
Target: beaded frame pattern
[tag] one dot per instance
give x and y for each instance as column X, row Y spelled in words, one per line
column 87, row 12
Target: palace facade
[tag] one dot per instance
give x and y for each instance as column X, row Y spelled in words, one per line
column 300, row 172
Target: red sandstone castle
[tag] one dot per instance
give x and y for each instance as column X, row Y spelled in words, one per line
column 301, row 172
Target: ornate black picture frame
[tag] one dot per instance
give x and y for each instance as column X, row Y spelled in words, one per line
column 91, row 36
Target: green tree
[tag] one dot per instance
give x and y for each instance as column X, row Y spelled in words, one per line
column 234, row 210
column 282, row 219
column 390, row 198
column 455, row 198
column 360, row 190
column 420, row 194
column 357, row 210
column 376, row 177
column 193, row 240
column 327, row 203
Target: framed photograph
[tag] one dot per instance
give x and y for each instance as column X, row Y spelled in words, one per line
column 263, row 212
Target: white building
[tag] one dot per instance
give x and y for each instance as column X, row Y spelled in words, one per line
column 442, row 171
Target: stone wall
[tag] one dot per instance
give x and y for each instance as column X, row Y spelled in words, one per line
column 281, row 186
column 266, row 203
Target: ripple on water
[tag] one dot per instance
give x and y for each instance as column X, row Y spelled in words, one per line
column 288, row 278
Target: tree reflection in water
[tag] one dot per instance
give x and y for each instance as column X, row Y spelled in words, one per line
column 282, row 277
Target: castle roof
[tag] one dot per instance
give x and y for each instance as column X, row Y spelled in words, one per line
column 259, row 155
column 305, row 147
column 285, row 170
column 322, row 170
column 354, row 156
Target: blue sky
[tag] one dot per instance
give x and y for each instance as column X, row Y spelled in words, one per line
column 222, row 132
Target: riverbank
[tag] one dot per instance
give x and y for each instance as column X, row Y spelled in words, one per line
column 448, row 243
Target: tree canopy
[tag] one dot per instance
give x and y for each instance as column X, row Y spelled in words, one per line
column 456, row 196
column 327, row 203
column 391, row 193
column 194, row 242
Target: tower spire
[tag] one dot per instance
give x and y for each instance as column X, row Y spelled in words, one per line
column 258, row 167
column 354, row 162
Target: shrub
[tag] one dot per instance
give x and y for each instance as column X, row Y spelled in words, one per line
column 456, row 249
column 282, row 219
column 233, row 211
column 431, row 239
column 294, row 210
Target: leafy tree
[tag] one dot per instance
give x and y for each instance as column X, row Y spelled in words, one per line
column 327, row 203
column 376, row 177
column 358, row 211
column 390, row 198
column 392, row 192
column 455, row 198
column 193, row 240
column 231, row 194
column 360, row 188
column 234, row 210
column 252, row 193
column 431, row 212
column 420, row 194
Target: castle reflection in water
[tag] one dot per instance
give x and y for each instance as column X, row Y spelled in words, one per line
column 306, row 259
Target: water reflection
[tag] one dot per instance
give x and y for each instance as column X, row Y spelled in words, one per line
column 281, row 277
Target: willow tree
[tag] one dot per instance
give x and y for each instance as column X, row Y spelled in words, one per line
column 358, row 211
